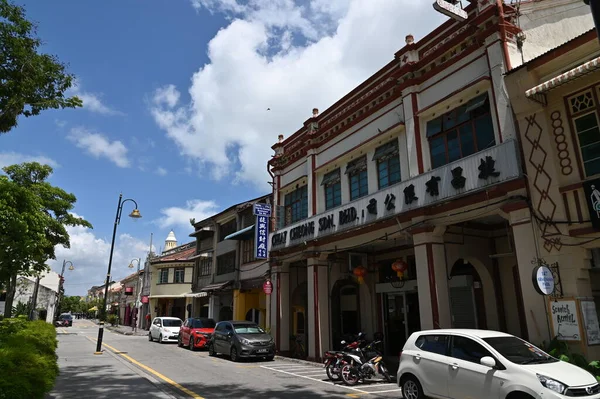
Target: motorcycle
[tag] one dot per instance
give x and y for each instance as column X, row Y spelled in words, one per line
column 334, row 360
column 359, row 367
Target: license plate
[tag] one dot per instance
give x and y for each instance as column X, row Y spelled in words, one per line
column 262, row 350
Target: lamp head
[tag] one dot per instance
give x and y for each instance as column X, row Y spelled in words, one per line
column 130, row 266
column 135, row 214
column 71, row 267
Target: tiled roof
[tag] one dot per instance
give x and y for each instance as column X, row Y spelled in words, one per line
column 174, row 255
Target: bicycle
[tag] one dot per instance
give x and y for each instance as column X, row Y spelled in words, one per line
column 298, row 351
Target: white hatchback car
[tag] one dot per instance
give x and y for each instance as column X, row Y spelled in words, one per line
column 165, row 329
column 485, row 364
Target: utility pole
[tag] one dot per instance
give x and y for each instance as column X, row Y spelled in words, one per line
column 595, row 6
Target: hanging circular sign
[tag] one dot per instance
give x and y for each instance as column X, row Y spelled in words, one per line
column 543, row 280
column 268, row 287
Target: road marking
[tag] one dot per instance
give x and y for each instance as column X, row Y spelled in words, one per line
column 152, row 371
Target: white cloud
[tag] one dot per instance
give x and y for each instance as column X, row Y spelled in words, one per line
column 92, row 101
column 287, row 55
column 99, row 146
column 161, row 171
column 89, row 255
column 196, row 209
column 12, row 158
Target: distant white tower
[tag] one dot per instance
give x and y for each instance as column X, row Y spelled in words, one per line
column 170, row 242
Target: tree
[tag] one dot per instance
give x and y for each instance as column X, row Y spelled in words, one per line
column 33, row 220
column 29, row 81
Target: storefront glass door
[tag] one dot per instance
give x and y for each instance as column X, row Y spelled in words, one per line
column 401, row 312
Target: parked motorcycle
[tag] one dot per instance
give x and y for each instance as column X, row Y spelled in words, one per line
column 334, row 360
column 365, row 363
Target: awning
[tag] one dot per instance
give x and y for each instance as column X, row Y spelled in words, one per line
column 216, row 286
column 386, row 151
column 202, row 255
column 194, row 294
column 243, row 234
column 357, row 165
column 202, row 233
column 563, row 78
column 477, row 102
column 166, row 296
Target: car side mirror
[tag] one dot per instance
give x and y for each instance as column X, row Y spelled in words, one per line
column 488, row 361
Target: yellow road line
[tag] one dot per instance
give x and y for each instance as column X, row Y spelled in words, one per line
column 152, row 371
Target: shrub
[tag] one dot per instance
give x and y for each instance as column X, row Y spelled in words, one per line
column 112, row 319
column 27, row 359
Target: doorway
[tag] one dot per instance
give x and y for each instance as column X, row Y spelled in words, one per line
column 401, row 318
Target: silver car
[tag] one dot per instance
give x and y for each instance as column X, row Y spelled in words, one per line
column 241, row 339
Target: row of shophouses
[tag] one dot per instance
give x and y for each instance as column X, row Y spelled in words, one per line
column 425, row 198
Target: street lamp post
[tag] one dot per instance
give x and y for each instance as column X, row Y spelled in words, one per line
column 60, row 286
column 137, row 290
column 136, row 215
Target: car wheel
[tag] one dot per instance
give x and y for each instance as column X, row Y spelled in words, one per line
column 191, row 345
column 150, row 337
column 211, row 350
column 411, row 389
column 160, row 339
column 234, row 354
column 270, row 358
column 179, row 342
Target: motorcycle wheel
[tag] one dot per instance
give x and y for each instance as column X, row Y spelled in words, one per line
column 350, row 375
column 386, row 374
column 331, row 374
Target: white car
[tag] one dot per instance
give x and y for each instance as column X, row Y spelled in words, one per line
column 483, row 364
column 165, row 329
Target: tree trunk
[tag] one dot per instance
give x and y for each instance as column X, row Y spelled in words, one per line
column 11, row 289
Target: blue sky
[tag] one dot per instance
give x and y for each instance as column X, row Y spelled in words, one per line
column 175, row 104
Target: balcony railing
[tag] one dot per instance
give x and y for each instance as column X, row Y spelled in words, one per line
column 464, row 176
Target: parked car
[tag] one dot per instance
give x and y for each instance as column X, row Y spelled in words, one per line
column 241, row 339
column 196, row 332
column 165, row 329
column 486, row 364
column 65, row 320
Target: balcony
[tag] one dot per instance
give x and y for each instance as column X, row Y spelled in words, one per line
column 464, row 176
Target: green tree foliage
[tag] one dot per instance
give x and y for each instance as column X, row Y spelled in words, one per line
column 33, row 218
column 29, row 81
column 73, row 304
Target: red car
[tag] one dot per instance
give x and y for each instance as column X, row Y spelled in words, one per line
column 196, row 332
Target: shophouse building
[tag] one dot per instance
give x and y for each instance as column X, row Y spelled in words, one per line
column 555, row 98
column 171, row 279
column 233, row 288
column 404, row 205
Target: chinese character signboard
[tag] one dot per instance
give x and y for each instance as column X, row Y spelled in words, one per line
column 261, row 237
column 592, row 199
column 451, row 9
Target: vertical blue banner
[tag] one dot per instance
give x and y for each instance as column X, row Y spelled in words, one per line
column 261, row 237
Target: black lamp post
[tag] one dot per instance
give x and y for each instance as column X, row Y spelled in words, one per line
column 595, row 6
column 136, row 215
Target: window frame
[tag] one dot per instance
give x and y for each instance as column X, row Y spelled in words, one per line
column 573, row 116
column 385, row 160
column 360, row 175
column 227, row 228
column 160, row 276
column 248, row 251
column 444, row 132
column 332, row 189
column 229, row 268
column 296, row 205
column 447, row 337
column 176, row 272
column 205, row 266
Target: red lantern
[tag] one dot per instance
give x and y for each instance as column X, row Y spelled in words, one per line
column 399, row 267
column 360, row 272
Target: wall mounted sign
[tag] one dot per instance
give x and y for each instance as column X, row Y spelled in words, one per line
column 592, row 199
column 477, row 172
column 145, row 299
column 590, row 321
column 543, row 280
column 268, row 287
column 128, row 290
column 261, row 237
column 451, row 9
column 565, row 319
column 262, row 209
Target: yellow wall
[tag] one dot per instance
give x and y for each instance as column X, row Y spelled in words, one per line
column 244, row 301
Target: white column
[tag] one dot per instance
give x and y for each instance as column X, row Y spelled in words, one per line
column 318, row 309
column 280, row 307
column 432, row 280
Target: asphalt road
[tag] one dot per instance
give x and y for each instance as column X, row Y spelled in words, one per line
column 184, row 374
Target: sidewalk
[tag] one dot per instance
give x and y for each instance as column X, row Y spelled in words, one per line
column 85, row 375
column 126, row 330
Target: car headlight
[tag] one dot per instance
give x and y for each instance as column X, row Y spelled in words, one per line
column 245, row 341
column 271, row 341
column 551, row 384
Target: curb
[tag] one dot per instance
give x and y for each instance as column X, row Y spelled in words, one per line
column 301, row 361
column 116, row 330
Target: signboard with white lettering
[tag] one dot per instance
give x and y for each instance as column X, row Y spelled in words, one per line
column 543, row 280
column 565, row 319
column 261, row 237
column 262, row 209
column 450, row 9
column 590, row 321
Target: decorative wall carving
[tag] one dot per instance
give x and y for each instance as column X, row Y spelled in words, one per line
column 562, row 147
column 541, row 182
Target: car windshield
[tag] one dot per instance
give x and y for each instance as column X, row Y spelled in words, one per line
column 66, row 316
column 171, row 323
column 248, row 329
column 518, row 351
column 203, row 323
